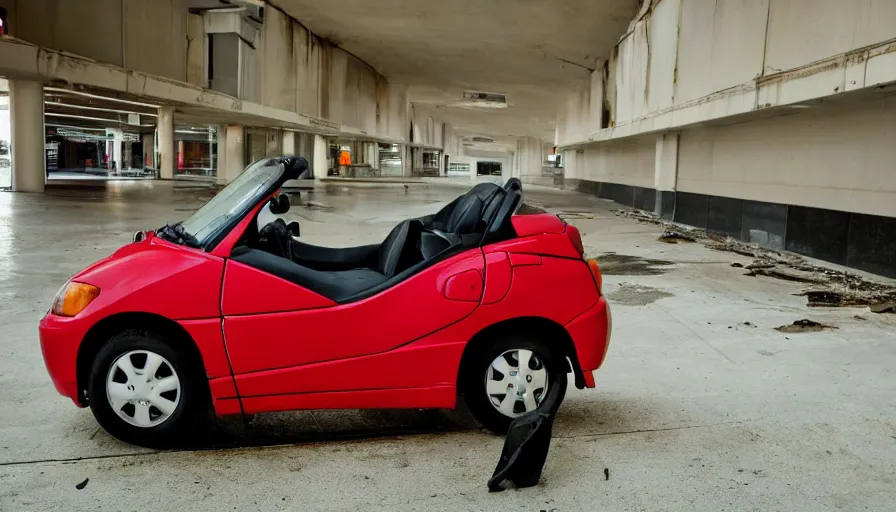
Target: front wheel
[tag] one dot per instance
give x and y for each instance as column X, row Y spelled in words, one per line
column 145, row 392
column 508, row 378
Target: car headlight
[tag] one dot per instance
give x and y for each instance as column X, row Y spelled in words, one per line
column 73, row 298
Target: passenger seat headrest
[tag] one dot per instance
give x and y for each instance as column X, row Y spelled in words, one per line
column 466, row 216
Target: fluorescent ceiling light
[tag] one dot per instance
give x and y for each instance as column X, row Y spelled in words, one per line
column 83, row 128
column 99, row 109
column 88, row 95
column 73, row 116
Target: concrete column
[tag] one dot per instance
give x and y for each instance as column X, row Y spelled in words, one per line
column 149, row 150
column 372, row 154
column 115, row 153
column 529, row 161
column 407, row 163
column 665, row 173
column 231, row 163
column 596, row 99
column 166, row 143
column 319, row 162
column 127, row 155
column 288, row 144
column 221, row 163
column 27, row 138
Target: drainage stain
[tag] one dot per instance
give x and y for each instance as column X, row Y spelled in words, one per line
column 636, row 295
column 612, row 264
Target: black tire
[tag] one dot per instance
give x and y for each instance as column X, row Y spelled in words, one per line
column 472, row 380
column 189, row 417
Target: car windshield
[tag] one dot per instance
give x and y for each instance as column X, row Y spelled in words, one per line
column 233, row 200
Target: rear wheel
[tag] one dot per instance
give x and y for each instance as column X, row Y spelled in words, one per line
column 507, row 378
column 145, row 392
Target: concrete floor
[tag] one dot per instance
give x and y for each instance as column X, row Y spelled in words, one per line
column 701, row 405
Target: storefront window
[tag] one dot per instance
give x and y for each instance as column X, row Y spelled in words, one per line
column 390, row 160
column 261, row 143
column 197, row 147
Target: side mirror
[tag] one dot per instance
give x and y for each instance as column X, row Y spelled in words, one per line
column 280, row 204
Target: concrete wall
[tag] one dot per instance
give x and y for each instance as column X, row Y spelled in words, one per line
column 285, row 68
column 688, row 61
column 145, row 35
column 197, row 50
column 839, row 158
column 629, row 162
column 303, row 73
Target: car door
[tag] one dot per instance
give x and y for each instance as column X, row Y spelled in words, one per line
column 283, row 339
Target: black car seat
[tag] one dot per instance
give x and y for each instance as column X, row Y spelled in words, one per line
column 464, row 215
column 399, row 251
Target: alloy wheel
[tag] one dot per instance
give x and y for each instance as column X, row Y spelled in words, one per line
column 516, row 382
column 143, row 388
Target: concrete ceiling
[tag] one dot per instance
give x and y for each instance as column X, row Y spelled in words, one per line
column 530, row 50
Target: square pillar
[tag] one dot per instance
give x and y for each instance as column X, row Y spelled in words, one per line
column 319, row 162
column 231, row 153
column 372, row 154
column 149, row 150
column 166, row 143
column 665, row 174
column 28, row 138
column 288, row 143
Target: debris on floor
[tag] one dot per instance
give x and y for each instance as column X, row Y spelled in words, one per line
column 82, row 485
column 528, row 208
column 639, row 215
column 606, row 474
column 737, row 265
column 804, row 325
column 670, row 236
column 626, row 265
column 636, row 295
column 828, row 287
column 884, row 307
column 526, row 447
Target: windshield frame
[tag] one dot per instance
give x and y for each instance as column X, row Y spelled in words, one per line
column 220, row 225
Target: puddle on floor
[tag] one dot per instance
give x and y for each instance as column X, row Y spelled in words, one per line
column 636, row 295
column 612, row 264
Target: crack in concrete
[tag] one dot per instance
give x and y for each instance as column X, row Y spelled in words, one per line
column 686, row 326
column 76, row 459
column 649, row 430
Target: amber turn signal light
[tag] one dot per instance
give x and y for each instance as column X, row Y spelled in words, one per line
column 598, row 277
column 73, row 298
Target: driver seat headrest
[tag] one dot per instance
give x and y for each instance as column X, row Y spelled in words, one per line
column 465, row 217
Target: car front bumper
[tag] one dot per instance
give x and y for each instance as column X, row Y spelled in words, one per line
column 590, row 333
column 59, row 346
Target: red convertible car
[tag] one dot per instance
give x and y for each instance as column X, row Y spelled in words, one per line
column 219, row 312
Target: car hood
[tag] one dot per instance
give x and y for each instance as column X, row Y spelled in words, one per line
column 157, row 276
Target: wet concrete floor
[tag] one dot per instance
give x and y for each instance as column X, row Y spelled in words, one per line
column 701, row 404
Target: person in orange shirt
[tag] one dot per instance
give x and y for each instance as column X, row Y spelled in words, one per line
column 345, row 160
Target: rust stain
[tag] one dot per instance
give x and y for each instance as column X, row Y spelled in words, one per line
column 882, row 50
column 802, row 72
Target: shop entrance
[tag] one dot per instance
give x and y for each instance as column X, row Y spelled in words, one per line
column 486, row 168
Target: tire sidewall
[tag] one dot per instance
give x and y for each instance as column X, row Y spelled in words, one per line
column 472, row 377
column 181, row 421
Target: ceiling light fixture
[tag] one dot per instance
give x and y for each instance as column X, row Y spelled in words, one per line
column 88, row 118
column 95, row 96
column 98, row 109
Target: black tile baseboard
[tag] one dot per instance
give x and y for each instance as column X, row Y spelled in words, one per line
column 864, row 242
